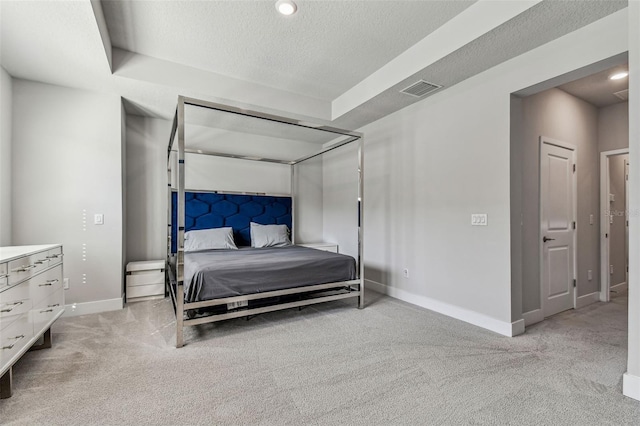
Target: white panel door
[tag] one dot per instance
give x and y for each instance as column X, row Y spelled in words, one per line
column 557, row 198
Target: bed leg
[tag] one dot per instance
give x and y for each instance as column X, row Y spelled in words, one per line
column 179, row 315
column 179, row 337
column 361, row 297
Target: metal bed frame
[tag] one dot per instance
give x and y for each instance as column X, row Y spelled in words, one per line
column 175, row 262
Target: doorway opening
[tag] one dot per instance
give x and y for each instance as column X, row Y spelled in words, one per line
column 587, row 111
column 614, row 223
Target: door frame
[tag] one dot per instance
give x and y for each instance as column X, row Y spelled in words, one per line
column 574, row 213
column 605, row 277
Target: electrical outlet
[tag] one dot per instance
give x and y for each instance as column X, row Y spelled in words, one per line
column 405, row 273
column 611, row 269
column 98, row 219
column 590, row 219
column 479, row 219
column 589, row 274
column 66, row 283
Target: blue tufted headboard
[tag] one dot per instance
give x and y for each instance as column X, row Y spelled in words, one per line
column 204, row 210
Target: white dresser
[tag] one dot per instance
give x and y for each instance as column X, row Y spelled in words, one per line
column 31, row 299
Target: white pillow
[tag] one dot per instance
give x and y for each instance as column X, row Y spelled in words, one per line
column 269, row 235
column 209, row 239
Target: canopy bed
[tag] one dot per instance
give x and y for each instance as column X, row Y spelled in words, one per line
column 233, row 253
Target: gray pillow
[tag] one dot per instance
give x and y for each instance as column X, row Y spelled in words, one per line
column 269, row 235
column 209, row 239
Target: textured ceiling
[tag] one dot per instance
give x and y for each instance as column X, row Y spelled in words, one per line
column 60, row 42
column 321, row 51
column 542, row 23
column 598, row 89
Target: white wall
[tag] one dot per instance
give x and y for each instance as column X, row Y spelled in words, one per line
column 204, row 172
column 613, row 127
column 308, row 201
column 340, row 198
column 516, row 149
column 123, row 181
column 67, row 163
column 5, row 157
column 631, row 383
column 146, row 188
column 430, row 166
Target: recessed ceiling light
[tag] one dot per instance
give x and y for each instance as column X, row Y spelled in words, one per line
column 286, row 7
column 619, row 75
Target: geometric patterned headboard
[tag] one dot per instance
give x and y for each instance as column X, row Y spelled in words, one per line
column 205, row 210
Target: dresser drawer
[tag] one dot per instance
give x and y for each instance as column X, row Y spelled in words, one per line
column 23, row 268
column 45, row 284
column 55, row 255
column 46, row 259
column 15, row 300
column 145, row 291
column 4, row 276
column 14, row 337
column 46, row 310
column 145, row 278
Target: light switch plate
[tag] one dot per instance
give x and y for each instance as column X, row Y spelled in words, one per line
column 479, row 219
column 98, row 219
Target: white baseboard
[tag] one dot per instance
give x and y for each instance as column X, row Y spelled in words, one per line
column 619, row 288
column 517, row 327
column 602, row 296
column 587, row 299
column 631, row 386
column 480, row 320
column 533, row 317
column 75, row 309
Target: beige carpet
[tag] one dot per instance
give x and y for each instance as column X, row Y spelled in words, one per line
column 391, row 363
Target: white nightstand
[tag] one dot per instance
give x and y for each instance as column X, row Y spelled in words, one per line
column 145, row 280
column 321, row 246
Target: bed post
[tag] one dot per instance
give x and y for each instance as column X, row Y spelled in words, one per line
column 180, row 236
column 293, row 204
column 361, row 220
column 167, row 280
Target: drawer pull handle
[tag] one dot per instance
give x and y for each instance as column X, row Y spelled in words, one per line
column 13, row 306
column 41, row 261
column 54, row 256
column 13, row 344
column 4, row 276
column 46, row 310
column 48, row 283
column 53, row 306
column 24, row 268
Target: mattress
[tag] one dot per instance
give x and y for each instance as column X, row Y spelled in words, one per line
column 214, row 274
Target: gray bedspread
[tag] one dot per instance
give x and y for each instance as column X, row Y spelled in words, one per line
column 214, row 274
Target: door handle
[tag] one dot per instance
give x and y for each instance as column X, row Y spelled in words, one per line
column 545, row 239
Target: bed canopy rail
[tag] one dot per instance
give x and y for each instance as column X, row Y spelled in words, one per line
column 325, row 138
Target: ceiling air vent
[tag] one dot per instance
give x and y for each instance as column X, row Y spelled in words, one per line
column 420, row 89
column 623, row 94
